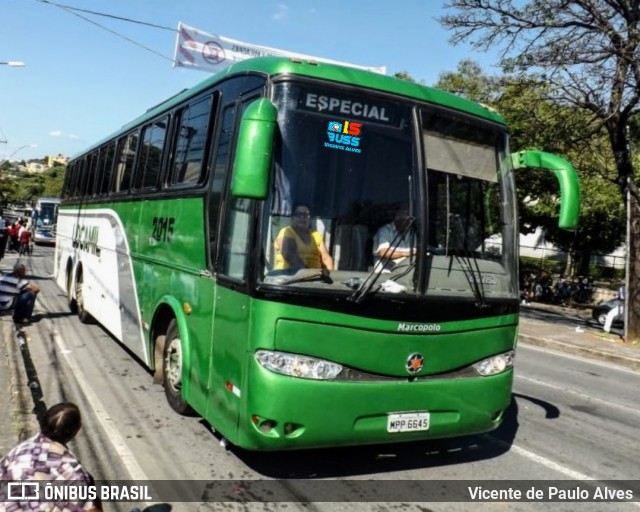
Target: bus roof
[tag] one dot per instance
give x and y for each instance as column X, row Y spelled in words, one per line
column 48, row 200
column 275, row 66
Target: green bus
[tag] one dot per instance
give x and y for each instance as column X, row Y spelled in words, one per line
column 167, row 236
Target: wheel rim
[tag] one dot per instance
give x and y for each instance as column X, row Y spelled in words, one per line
column 173, row 364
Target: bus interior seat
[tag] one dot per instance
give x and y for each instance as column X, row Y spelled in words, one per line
column 350, row 248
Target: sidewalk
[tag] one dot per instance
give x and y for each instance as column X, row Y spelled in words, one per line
column 17, row 418
column 573, row 331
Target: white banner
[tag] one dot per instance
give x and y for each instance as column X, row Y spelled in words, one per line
column 200, row 50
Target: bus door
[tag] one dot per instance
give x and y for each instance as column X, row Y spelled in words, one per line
column 229, row 241
column 231, row 319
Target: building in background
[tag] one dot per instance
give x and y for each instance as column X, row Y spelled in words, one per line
column 52, row 161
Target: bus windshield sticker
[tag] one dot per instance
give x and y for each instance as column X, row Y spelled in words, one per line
column 378, row 112
column 344, row 136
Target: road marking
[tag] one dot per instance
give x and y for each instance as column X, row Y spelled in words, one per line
column 548, row 463
column 126, row 455
column 584, row 396
column 554, row 466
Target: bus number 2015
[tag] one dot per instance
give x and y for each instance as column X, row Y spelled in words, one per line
column 163, row 228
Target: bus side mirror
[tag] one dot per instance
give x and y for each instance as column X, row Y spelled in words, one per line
column 254, row 150
column 567, row 177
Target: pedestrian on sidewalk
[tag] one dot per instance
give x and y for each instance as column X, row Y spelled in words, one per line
column 25, row 241
column 17, row 294
column 46, row 456
column 615, row 311
column 14, row 241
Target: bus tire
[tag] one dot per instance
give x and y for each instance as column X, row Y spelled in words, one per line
column 73, row 305
column 172, row 370
column 83, row 315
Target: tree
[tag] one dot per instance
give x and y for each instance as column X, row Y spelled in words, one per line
column 588, row 53
column 470, row 81
column 54, row 179
column 404, row 75
column 20, row 186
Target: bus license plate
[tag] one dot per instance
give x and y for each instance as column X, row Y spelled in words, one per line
column 408, row 422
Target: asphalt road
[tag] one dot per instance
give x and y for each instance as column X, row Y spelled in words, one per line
column 572, row 419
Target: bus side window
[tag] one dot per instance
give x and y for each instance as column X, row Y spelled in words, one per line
column 151, row 154
column 67, row 191
column 90, row 170
column 125, row 158
column 219, row 165
column 236, row 233
column 106, row 168
column 81, row 177
column 236, row 238
column 192, row 129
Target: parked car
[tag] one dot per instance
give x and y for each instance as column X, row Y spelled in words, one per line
column 599, row 312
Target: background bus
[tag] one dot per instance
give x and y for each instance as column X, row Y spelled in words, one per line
column 166, row 237
column 44, row 217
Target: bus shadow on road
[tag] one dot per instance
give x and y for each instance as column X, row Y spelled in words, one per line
column 365, row 460
column 33, row 382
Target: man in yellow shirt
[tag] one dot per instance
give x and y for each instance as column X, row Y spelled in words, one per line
column 298, row 246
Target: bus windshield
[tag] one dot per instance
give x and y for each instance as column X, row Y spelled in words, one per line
column 45, row 214
column 368, row 168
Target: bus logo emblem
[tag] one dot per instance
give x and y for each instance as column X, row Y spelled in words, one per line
column 414, row 363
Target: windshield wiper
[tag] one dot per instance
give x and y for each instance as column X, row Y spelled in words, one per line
column 371, row 279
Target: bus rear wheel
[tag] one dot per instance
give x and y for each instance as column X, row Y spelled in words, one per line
column 73, row 305
column 83, row 315
column 172, row 370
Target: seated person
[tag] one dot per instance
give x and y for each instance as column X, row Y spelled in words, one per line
column 298, row 246
column 46, row 457
column 385, row 258
column 17, row 294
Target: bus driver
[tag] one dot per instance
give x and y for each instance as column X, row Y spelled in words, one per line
column 384, row 256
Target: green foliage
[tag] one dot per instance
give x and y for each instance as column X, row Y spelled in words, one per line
column 404, row 75
column 22, row 186
column 530, row 265
column 469, row 81
column 54, row 179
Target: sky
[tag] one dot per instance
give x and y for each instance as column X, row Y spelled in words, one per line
column 87, row 75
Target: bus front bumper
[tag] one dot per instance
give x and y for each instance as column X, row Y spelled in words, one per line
column 292, row 413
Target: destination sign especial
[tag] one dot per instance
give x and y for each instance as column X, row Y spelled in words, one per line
column 347, row 107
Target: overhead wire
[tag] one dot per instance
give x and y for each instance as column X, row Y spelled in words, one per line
column 75, row 10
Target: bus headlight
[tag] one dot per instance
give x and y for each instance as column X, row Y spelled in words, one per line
column 495, row 364
column 296, row 365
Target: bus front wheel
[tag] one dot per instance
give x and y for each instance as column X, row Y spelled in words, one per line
column 172, row 370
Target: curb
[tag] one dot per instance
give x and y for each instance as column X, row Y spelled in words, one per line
column 19, row 422
column 619, row 359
